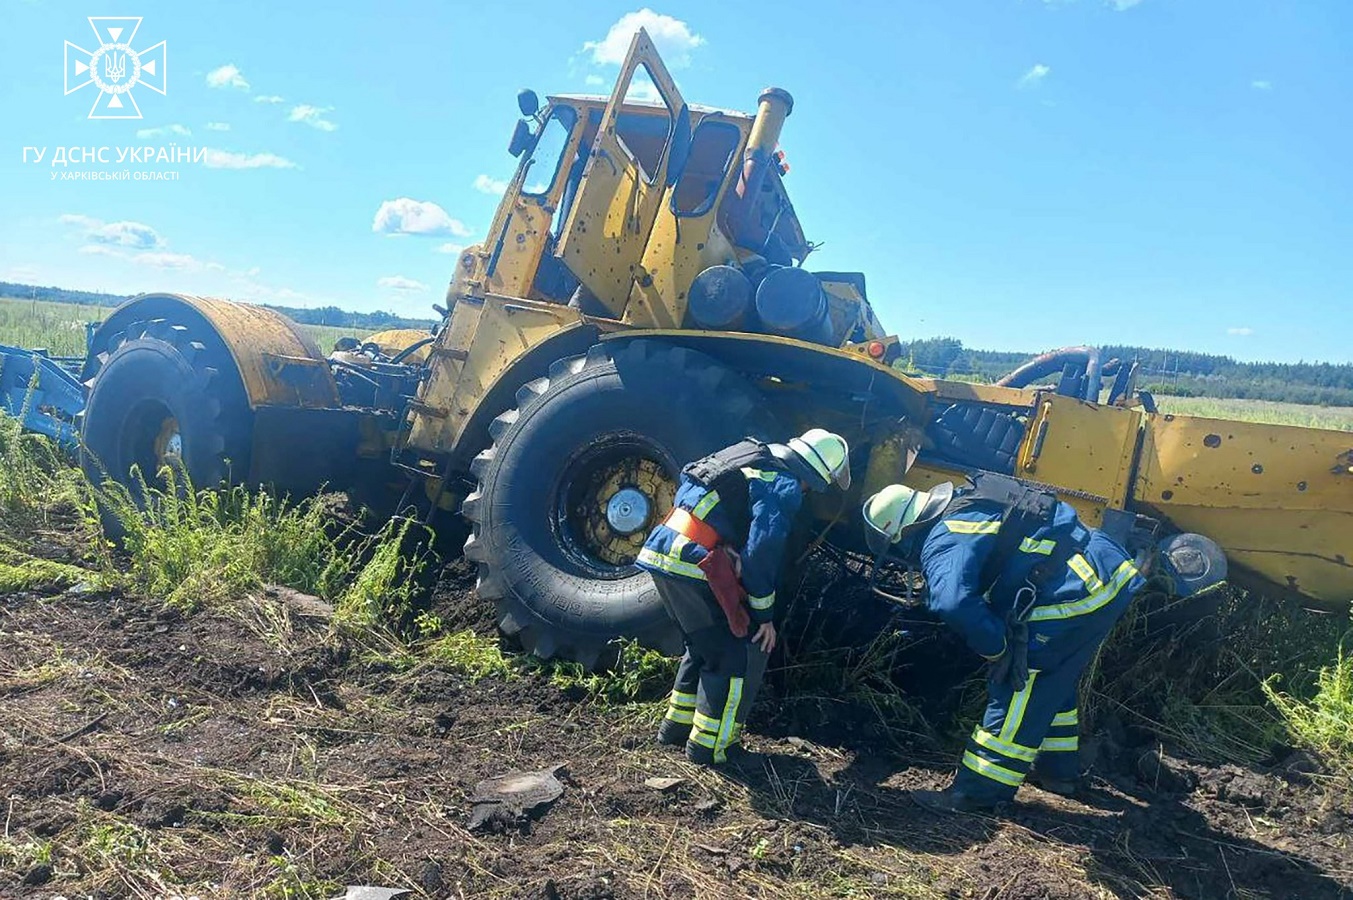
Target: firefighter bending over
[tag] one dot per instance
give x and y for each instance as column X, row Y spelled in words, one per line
column 715, row 561
column 1035, row 592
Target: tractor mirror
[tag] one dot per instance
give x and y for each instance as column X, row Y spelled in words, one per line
column 521, row 138
column 527, row 102
column 680, row 152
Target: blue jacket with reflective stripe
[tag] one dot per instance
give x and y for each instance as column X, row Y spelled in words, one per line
column 774, row 499
column 954, row 554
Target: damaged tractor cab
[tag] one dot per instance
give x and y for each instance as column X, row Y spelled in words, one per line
column 640, row 301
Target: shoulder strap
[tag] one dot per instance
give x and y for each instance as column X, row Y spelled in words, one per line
column 746, row 452
column 1024, row 509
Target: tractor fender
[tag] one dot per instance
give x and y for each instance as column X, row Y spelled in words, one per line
column 277, row 362
column 793, row 361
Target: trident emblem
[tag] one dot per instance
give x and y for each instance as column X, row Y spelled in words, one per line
column 115, row 67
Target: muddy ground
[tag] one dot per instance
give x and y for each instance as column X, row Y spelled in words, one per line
column 148, row 754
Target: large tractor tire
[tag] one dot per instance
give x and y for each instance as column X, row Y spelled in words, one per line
column 161, row 396
column 579, row 473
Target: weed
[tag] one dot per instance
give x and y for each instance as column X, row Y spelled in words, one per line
column 1324, row 722
column 382, row 591
column 470, row 653
column 639, row 675
column 40, row 574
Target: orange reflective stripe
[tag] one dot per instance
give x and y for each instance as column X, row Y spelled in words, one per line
column 683, row 523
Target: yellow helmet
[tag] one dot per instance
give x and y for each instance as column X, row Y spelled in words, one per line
column 890, row 512
column 826, row 454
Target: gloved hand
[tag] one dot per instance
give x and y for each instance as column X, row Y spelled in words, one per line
column 1012, row 666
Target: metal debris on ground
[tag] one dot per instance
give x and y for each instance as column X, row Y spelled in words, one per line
column 664, row 784
column 506, row 800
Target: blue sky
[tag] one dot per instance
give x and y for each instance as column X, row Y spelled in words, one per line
column 1020, row 174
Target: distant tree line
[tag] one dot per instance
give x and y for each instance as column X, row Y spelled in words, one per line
column 1171, row 372
column 323, row 315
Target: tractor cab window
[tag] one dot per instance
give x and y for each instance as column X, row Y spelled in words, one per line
column 714, row 146
column 542, row 166
column 644, row 134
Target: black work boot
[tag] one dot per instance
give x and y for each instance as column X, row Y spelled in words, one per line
column 949, row 800
column 673, row 734
column 1063, row 787
column 734, row 755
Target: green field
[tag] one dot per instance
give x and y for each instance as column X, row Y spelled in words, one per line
column 1338, row 418
column 60, row 327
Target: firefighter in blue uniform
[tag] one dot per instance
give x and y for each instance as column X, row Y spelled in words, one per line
column 1035, row 592
column 715, row 560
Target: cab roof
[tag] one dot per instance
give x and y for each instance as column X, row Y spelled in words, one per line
column 603, row 99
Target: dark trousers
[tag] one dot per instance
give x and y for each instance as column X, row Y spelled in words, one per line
column 718, row 678
column 1037, row 727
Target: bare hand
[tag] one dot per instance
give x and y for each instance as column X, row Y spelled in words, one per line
column 765, row 638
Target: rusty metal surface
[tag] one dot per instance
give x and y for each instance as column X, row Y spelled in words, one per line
column 278, row 363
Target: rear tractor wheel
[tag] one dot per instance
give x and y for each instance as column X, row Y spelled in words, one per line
column 578, row 475
column 164, row 396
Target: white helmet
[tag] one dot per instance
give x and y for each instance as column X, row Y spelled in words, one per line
column 893, row 510
column 826, row 454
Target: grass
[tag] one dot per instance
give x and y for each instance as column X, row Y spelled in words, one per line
column 1322, row 720
column 1337, row 418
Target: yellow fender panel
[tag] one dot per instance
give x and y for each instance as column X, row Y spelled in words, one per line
column 396, row 340
column 278, row 363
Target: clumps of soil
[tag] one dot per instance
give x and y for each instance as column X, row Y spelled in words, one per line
column 147, row 753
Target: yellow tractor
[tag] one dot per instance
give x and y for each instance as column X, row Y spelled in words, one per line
column 642, row 299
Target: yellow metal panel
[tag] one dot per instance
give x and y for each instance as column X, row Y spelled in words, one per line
column 396, row 340
column 963, row 391
column 1278, row 498
column 481, row 342
column 1082, row 448
column 672, row 265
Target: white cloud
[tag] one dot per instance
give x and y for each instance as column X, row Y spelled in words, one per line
column 1243, row 331
column 118, row 234
column 165, row 260
column 181, row 130
column 228, row 159
column 408, row 216
column 449, row 248
column 673, row 38
column 1261, row 85
column 1034, row 77
column 216, row 267
column 227, row 76
column 312, row 116
column 218, row 126
column 400, row 283
column 594, row 81
column 269, row 98
column 486, row 185
column 1121, row 5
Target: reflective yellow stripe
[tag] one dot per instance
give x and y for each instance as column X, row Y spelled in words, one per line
column 991, row 770
column 1104, row 595
column 758, row 473
column 961, row 526
column 702, row 738
column 706, row 723
column 1005, row 748
column 1044, row 547
column 680, row 716
column 1062, row 744
column 680, row 699
column 1014, row 716
column 672, row 564
column 1081, row 566
column 1070, row 717
column 762, row 603
column 730, row 714
column 706, row 503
